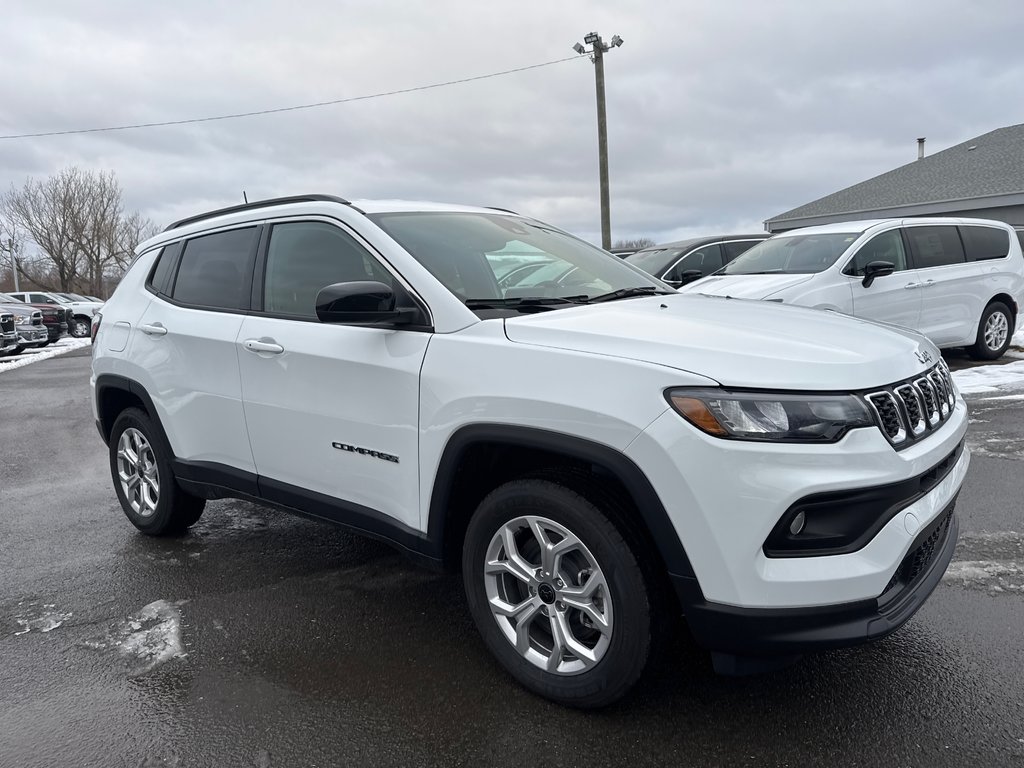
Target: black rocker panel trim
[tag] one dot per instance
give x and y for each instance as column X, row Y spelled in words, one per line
column 217, row 481
column 637, row 485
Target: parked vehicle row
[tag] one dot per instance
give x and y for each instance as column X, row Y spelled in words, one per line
column 45, row 318
column 958, row 281
column 684, row 261
column 79, row 310
column 594, row 450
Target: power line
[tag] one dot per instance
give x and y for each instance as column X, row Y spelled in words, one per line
column 288, row 109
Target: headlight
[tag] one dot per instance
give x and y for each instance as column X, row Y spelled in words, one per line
column 772, row 416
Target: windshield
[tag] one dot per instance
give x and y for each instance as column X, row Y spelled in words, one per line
column 791, row 254
column 5, row 299
column 654, row 260
column 498, row 258
column 75, row 296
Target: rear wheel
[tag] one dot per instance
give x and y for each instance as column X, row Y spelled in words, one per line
column 994, row 332
column 557, row 593
column 140, row 465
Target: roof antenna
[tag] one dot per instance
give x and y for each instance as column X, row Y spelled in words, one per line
column 245, row 197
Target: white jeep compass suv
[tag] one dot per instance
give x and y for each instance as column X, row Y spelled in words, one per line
column 595, row 453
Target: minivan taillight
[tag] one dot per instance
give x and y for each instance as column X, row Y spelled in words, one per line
column 95, row 328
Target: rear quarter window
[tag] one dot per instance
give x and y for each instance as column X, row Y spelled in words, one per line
column 983, row 243
column 159, row 275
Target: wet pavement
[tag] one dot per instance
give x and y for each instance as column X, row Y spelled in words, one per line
column 262, row 639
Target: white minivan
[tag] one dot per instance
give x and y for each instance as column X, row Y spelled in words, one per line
column 958, row 281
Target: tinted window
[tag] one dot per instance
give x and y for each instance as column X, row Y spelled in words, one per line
column 162, row 268
column 654, row 261
column 887, row 246
column 792, row 254
column 460, row 250
column 734, row 249
column 935, row 246
column 39, row 298
column 985, row 242
column 216, row 269
column 706, row 259
column 307, row 256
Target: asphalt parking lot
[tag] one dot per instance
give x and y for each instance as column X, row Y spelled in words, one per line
column 261, row 639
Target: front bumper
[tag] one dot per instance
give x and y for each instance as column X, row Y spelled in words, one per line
column 31, row 335
column 8, row 342
column 55, row 331
column 783, row 632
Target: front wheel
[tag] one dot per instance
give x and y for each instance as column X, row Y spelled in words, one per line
column 140, row 466
column 557, row 594
column 80, row 327
column 994, row 332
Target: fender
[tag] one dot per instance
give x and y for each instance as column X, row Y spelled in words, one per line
column 652, row 511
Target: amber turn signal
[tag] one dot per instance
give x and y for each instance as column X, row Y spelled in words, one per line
column 698, row 414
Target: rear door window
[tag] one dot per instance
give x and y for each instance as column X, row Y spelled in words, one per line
column 216, row 270
column 935, row 246
column 982, row 243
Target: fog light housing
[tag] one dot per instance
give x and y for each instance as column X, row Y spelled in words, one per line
column 796, row 525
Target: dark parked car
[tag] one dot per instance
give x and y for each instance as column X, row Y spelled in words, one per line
column 54, row 317
column 684, row 261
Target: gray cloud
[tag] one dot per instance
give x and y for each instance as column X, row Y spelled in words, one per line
column 719, row 115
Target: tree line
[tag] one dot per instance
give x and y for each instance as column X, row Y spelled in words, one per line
column 69, row 232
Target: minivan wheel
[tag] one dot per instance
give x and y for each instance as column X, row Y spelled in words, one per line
column 144, row 481
column 557, row 593
column 80, row 327
column 994, row 332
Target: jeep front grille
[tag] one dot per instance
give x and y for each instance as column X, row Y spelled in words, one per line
column 909, row 410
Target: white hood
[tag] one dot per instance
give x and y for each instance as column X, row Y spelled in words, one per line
column 737, row 343
column 744, row 286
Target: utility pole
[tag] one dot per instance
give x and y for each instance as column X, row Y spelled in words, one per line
column 598, row 48
column 14, row 263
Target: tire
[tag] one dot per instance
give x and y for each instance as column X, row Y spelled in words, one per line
column 17, row 351
column 155, row 504
column 614, row 636
column 80, row 327
column 994, row 332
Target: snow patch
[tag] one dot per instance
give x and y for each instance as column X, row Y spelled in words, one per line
column 36, row 617
column 992, row 575
column 990, row 378
column 30, row 356
column 146, row 639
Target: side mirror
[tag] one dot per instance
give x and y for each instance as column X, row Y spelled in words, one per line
column 689, row 275
column 877, row 269
column 362, row 302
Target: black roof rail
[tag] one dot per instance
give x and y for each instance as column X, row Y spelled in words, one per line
column 503, row 210
column 257, row 204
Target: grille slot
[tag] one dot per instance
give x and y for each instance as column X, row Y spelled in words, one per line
column 912, row 406
column 889, row 416
column 6, row 323
column 931, row 401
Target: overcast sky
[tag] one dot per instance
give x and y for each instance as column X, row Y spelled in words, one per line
column 721, row 114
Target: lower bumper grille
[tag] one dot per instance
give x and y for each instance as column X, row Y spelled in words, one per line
column 920, row 557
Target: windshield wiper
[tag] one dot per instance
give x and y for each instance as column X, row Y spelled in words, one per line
column 628, row 293
column 523, row 301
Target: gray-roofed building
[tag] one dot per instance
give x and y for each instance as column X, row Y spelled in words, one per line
column 981, row 178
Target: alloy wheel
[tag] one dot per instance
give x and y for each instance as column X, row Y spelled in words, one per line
column 996, row 330
column 137, row 471
column 548, row 595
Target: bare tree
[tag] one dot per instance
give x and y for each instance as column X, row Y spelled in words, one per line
column 77, row 219
column 636, row 243
column 46, row 211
